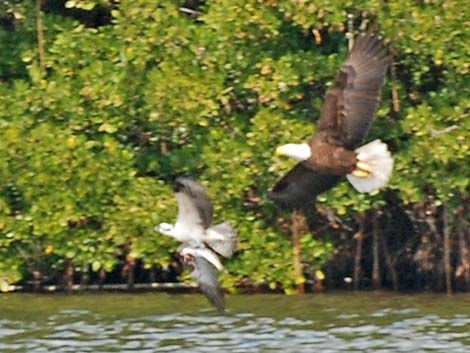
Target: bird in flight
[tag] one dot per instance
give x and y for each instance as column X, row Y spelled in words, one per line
column 201, row 242
column 332, row 152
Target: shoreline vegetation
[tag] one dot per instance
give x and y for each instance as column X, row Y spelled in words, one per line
column 103, row 103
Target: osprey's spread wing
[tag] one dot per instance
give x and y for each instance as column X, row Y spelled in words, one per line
column 350, row 103
column 194, row 206
column 205, row 275
column 222, row 238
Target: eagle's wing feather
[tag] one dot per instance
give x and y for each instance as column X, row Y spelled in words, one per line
column 350, row 103
column 300, row 187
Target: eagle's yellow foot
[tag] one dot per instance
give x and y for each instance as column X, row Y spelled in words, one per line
column 363, row 170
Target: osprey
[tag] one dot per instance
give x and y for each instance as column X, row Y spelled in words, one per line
column 347, row 114
column 201, row 242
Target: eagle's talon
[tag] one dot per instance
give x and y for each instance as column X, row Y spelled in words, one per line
column 366, row 167
column 360, row 173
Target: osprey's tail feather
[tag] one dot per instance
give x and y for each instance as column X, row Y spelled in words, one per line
column 222, row 238
column 377, row 156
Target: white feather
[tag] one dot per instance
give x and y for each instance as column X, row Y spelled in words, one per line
column 222, row 238
column 209, row 255
column 188, row 227
column 377, row 155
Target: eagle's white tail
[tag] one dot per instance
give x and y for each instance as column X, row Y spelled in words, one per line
column 222, row 238
column 377, row 156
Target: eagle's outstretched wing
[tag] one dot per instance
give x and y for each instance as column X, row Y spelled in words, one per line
column 300, row 186
column 352, row 100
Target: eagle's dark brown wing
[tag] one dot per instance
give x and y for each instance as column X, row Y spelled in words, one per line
column 300, row 186
column 350, row 103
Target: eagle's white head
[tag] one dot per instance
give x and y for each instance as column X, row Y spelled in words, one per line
column 298, row 151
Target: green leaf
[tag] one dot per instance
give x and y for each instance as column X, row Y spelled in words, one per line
column 70, row 4
column 95, row 266
column 4, row 285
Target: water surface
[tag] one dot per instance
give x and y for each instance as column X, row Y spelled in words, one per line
column 345, row 322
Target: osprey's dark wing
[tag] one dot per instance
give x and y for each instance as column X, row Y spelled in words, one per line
column 194, row 206
column 352, row 100
column 205, row 275
column 300, row 186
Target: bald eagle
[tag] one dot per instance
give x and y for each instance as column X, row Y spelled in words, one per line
column 347, row 114
column 201, row 242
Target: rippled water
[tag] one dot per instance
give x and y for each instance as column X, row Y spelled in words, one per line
column 364, row 322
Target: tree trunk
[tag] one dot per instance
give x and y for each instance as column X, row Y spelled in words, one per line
column 464, row 258
column 85, row 278
column 430, row 214
column 376, row 280
column 152, row 274
column 130, row 272
column 128, row 268
column 40, row 36
column 447, row 266
column 297, row 225
column 389, row 264
column 359, row 236
column 36, row 281
column 102, row 278
column 395, row 95
column 69, row 272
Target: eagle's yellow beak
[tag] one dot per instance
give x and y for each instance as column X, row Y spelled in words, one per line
column 280, row 151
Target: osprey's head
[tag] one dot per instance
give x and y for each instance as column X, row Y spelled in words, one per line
column 298, row 151
column 165, row 229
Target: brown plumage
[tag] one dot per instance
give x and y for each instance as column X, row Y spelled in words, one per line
column 347, row 114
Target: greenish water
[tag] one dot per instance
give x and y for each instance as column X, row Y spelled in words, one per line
column 345, row 322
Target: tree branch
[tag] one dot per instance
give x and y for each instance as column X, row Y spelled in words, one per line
column 437, row 133
column 190, row 11
column 40, row 36
column 297, row 225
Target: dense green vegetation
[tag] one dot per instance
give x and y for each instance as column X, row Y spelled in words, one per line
column 103, row 102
